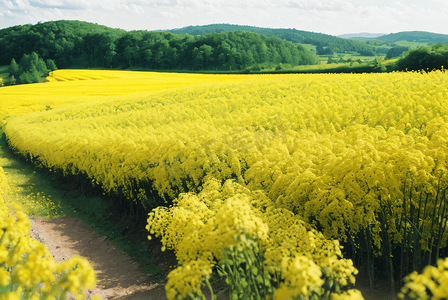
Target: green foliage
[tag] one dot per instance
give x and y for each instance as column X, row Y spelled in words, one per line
column 229, row 51
column 57, row 40
column 424, row 58
column 51, row 65
column 32, row 69
column 242, row 266
column 14, row 68
column 396, row 51
column 324, row 51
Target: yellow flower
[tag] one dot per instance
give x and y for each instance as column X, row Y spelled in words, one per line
column 4, row 277
column 187, row 279
column 434, row 279
column 349, row 295
column 300, row 276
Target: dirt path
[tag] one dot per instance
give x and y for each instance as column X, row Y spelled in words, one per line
column 117, row 275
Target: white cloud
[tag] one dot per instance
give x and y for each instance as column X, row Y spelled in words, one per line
column 8, row 4
column 337, row 5
column 135, row 8
column 16, row 5
column 48, row 2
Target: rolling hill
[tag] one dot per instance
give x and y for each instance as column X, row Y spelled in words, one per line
column 415, row 36
column 361, row 35
column 336, row 44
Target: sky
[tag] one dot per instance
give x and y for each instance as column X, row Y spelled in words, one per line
column 324, row 16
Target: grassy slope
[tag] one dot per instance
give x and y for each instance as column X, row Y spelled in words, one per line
column 411, row 45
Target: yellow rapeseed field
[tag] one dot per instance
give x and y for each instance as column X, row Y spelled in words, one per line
column 81, row 86
column 361, row 157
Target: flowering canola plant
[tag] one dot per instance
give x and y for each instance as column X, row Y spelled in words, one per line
column 434, row 279
column 362, row 157
column 198, row 226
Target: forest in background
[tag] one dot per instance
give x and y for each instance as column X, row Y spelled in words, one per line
column 81, row 44
column 216, row 48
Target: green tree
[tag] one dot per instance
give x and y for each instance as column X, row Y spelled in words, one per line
column 14, row 68
column 41, row 67
column 36, row 76
column 198, row 58
column 51, row 65
column 129, row 55
column 396, row 51
column 146, row 57
column 207, row 53
column 158, row 58
column 110, row 54
column 221, row 61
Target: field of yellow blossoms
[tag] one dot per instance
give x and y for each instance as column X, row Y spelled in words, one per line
column 300, row 164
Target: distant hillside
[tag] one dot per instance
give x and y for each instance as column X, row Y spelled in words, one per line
column 74, row 44
column 332, row 43
column 359, row 36
column 415, row 36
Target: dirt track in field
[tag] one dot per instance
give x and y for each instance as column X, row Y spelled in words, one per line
column 117, row 274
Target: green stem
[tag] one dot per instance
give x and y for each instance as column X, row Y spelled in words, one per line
column 250, row 277
column 385, row 229
column 439, row 239
column 432, row 224
column 405, row 234
column 403, row 214
column 369, row 256
column 213, row 297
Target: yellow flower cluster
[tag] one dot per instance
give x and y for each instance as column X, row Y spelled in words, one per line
column 432, row 283
column 27, row 269
column 300, row 275
column 187, row 279
column 198, row 226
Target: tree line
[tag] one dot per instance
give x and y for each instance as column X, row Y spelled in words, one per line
column 234, row 50
column 82, row 44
